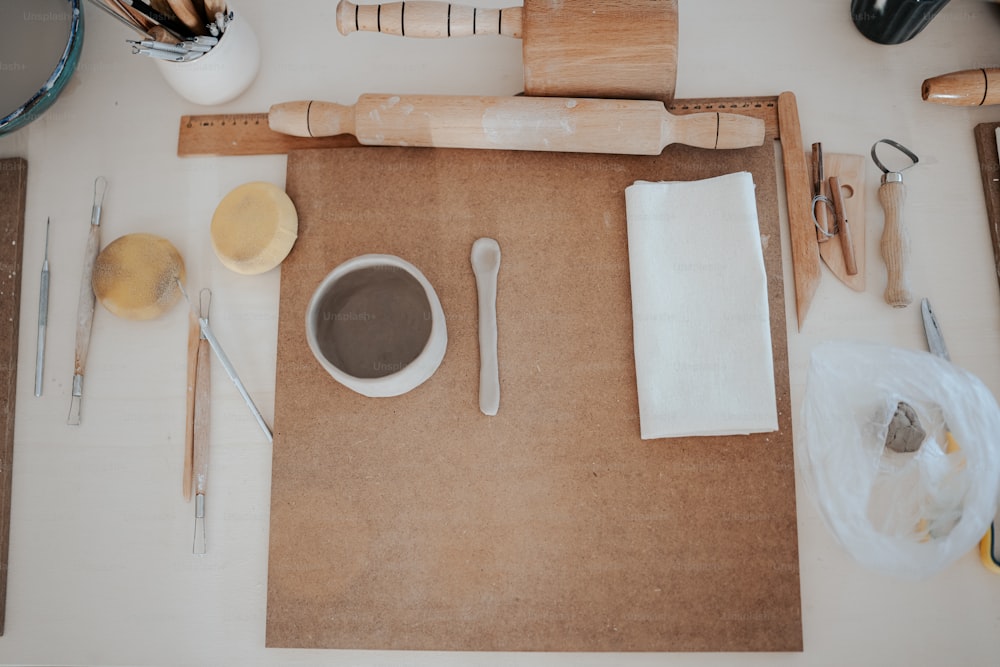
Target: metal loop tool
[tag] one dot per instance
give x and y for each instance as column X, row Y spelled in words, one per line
column 893, row 175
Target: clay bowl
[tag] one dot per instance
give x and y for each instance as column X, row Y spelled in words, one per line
column 376, row 326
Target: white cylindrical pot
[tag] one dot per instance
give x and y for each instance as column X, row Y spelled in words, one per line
column 223, row 73
column 375, row 324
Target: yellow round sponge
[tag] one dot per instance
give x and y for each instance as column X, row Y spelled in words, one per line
column 254, row 228
column 136, row 276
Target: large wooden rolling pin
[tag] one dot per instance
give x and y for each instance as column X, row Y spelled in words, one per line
column 618, row 49
column 629, row 127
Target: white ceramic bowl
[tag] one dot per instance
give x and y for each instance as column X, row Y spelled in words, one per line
column 376, row 325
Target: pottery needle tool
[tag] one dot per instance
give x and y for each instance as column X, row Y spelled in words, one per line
column 85, row 309
column 43, row 314
column 202, row 414
column 227, row 366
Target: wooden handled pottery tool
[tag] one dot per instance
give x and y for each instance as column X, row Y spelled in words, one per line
column 202, row 413
column 582, row 48
column 895, row 241
column 841, row 237
column 968, row 88
column 631, row 127
column 228, row 367
column 87, row 302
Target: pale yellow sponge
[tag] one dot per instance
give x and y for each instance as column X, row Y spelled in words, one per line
column 136, row 276
column 254, row 228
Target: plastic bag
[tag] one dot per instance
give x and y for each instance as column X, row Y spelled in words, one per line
column 908, row 514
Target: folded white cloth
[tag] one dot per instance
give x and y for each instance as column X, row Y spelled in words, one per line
column 701, row 331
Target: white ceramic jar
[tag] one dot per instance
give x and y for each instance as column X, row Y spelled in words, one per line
column 375, row 324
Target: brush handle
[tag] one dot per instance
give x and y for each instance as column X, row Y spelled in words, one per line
column 630, row 127
column 424, row 18
column 895, row 243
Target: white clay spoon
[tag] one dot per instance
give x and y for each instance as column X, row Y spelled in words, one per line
column 486, row 265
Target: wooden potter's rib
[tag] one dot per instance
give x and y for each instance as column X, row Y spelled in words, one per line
column 802, row 231
column 850, row 171
column 630, row 127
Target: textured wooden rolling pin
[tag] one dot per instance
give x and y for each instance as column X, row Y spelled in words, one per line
column 968, row 88
column 584, row 48
column 629, row 127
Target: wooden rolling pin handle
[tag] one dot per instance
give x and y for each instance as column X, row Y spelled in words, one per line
column 968, row 88
column 895, row 244
column 425, row 18
column 713, row 130
column 311, row 119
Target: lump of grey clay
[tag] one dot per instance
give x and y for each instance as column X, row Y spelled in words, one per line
column 904, row 434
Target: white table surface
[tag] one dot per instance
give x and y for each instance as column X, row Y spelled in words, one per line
column 100, row 564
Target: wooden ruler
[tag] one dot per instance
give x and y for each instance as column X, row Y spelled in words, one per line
column 244, row 134
column 13, row 187
column 249, row 134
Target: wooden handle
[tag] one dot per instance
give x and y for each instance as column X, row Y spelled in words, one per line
column 202, row 413
column 189, row 16
column 85, row 309
column 630, row 127
column 194, row 336
column 968, row 88
column 798, row 193
column 843, row 227
column 428, row 19
column 895, row 244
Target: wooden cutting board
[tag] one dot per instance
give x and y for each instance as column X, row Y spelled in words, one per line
column 13, row 188
column 418, row 523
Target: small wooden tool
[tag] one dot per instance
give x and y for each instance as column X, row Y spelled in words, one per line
column 895, row 241
column 843, row 227
column 805, row 248
column 629, row 127
column 968, row 88
column 579, row 48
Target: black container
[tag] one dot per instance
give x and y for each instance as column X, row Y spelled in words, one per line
column 897, row 21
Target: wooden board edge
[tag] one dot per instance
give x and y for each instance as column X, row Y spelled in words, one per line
column 12, row 241
column 989, row 170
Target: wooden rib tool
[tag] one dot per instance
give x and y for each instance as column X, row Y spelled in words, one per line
column 802, row 230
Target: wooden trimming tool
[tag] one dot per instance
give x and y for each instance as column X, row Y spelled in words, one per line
column 850, row 172
column 802, row 230
column 87, row 302
column 895, row 244
column 13, row 188
column 581, row 48
column 628, row 127
column 202, row 413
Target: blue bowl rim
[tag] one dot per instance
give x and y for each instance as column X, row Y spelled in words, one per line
column 72, row 44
